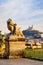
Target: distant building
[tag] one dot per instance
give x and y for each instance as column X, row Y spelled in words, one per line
column 30, row 27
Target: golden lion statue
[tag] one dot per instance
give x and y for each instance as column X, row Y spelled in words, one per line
column 14, row 28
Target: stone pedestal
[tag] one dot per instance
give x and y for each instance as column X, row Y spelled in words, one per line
column 14, row 46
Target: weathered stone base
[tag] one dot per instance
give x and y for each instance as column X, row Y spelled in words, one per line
column 15, row 49
column 16, row 54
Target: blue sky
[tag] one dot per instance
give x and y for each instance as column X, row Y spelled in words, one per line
column 24, row 12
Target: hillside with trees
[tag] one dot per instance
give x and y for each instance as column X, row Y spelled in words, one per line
column 30, row 32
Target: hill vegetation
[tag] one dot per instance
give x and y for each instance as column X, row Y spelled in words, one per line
column 30, row 32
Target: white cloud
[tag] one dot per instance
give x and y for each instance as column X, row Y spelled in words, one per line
column 17, row 9
column 20, row 11
column 36, row 12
